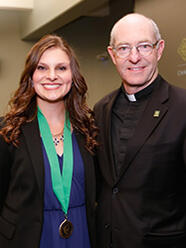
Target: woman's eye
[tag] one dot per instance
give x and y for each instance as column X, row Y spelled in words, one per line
column 40, row 67
column 62, row 68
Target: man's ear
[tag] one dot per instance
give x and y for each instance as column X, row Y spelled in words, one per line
column 160, row 48
column 112, row 54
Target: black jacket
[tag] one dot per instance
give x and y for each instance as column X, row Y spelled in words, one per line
column 22, row 189
column 145, row 206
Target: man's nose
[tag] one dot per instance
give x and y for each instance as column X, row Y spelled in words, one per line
column 134, row 55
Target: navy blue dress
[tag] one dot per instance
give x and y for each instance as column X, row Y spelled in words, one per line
column 53, row 214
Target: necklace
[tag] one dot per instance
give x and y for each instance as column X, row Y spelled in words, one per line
column 57, row 138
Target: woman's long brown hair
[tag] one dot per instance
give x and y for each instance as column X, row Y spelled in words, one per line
column 23, row 108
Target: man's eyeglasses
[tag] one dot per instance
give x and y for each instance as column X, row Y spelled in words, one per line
column 144, row 49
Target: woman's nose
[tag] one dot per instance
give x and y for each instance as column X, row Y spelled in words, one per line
column 52, row 75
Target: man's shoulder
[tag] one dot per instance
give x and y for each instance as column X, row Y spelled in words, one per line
column 106, row 99
column 172, row 88
column 176, row 91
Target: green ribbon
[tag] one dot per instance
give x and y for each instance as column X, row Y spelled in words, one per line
column 61, row 183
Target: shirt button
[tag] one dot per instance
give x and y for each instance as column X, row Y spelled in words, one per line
column 107, row 226
column 115, row 190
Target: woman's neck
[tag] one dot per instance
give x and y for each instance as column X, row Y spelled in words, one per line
column 54, row 114
column 52, row 111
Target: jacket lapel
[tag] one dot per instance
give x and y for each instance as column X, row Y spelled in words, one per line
column 154, row 113
column 89, row 169
column 86, row 159
column 33, row 143
column 107, row 141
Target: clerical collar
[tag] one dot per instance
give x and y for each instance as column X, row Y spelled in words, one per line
column 142, row 93
column 131, row 97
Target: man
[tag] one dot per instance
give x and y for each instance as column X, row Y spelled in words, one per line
column 142, row 155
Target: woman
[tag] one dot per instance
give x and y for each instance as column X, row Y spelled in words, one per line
column 47, row 140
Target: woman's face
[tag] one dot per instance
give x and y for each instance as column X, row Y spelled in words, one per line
column 52, row 78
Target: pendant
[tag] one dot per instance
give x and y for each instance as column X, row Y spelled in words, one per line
column 65, row 229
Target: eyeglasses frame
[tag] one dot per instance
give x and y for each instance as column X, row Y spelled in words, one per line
column 136, row 46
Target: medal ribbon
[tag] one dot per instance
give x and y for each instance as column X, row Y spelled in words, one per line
column 61, row 184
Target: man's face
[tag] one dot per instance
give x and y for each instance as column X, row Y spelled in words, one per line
column 136, row 71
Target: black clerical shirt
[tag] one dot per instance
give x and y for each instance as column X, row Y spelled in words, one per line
column 125, row 117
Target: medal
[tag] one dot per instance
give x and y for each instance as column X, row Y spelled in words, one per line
column 65, row 229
